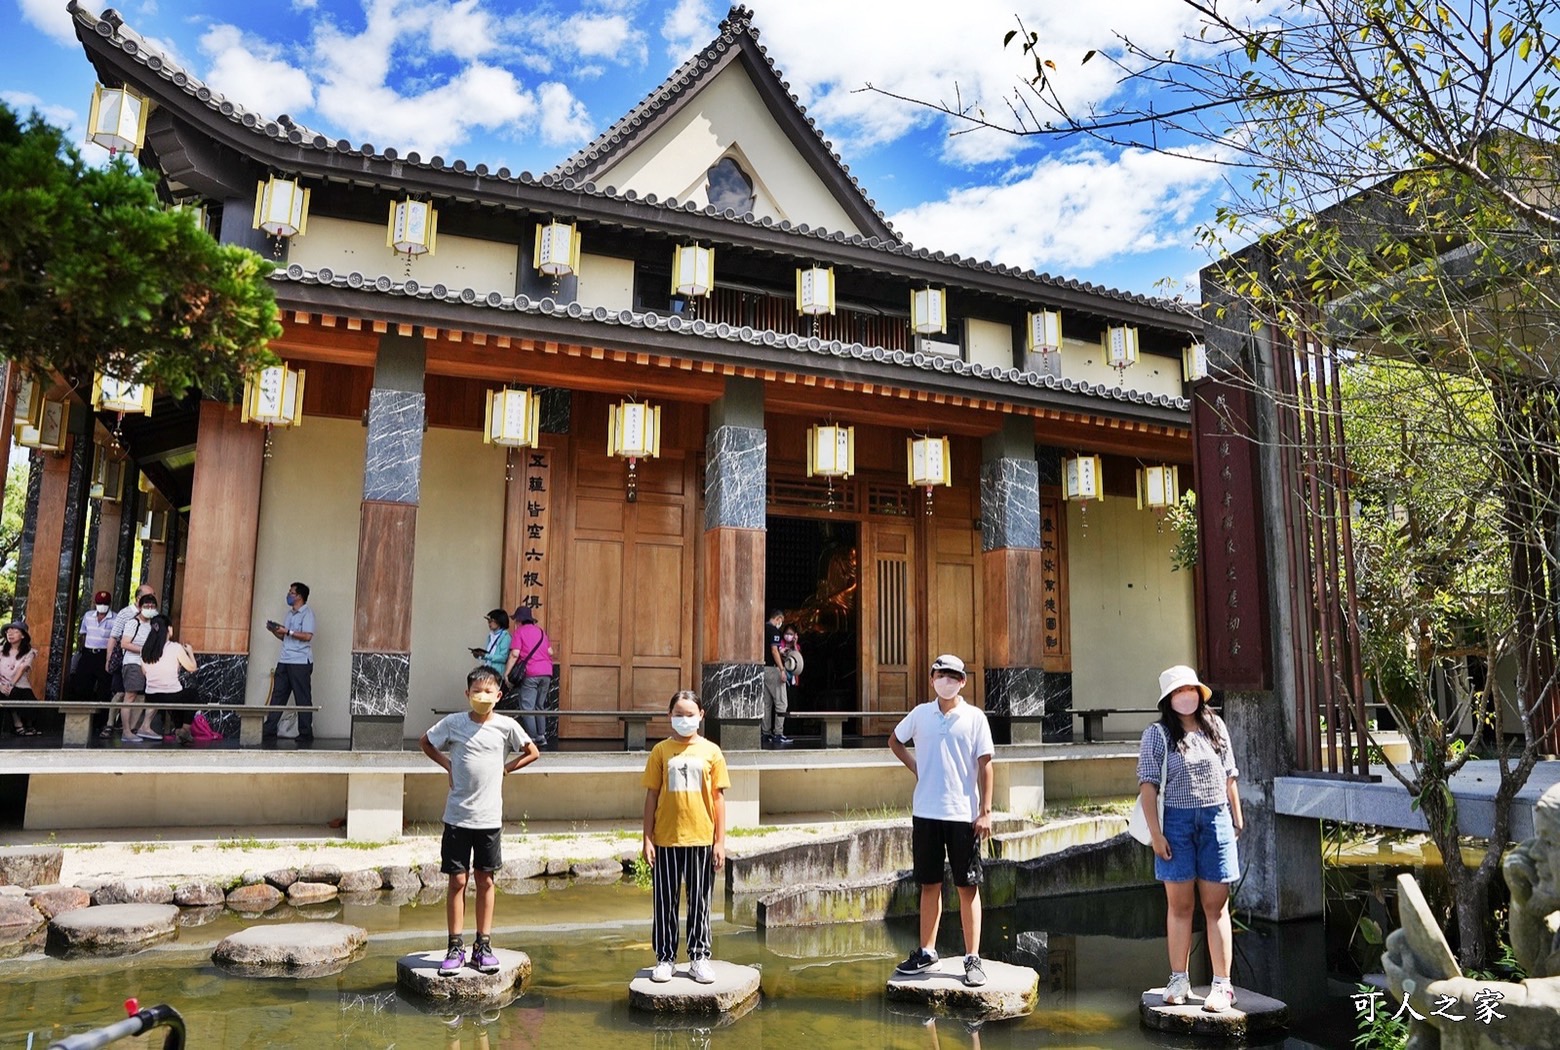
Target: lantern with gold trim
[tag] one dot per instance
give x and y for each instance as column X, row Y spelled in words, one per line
column 1083, row 481
column 929, row 463
column 831, row 453
column 273, row 397
column 514, row 418
column 281, row 207
column 1194, row 362
column 1158, row 489
column 634, row 433
column 928, row 311
column 122, row 397
column 693, row 270
column 117, row 119
column 814, row 290
column 1121, row 349
column 29, row 402
column 49, row 434
column 557, row 250
column 108, row 475
column 1045, row 333
column 413, row 228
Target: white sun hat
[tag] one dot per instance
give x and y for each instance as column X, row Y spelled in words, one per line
column 1179, row 677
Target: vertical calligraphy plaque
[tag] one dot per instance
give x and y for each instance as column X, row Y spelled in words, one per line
column 1055, row 639
column 536, row 518
column 1232, row 605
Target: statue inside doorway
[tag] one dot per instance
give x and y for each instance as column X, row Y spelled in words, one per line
column 1453, row 1012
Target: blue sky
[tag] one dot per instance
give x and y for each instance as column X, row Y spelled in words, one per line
column 522, row 84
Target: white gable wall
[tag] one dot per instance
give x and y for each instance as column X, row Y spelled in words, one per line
column 728, row 114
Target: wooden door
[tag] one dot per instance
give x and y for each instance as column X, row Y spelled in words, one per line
column 953, row 598
column 888, row 620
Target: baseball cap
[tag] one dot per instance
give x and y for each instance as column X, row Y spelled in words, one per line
column 950, row 663
column 100, row 598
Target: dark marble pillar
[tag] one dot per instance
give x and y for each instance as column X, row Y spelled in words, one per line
column 387, row 533
column 735, row 484
column 130, row 512
column 68, row 570
column 24, row 549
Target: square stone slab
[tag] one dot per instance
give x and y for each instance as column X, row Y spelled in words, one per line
column 1009, row 990
column 1252, row 1014
column 734, row 986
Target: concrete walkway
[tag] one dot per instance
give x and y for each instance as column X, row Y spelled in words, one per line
column 1387, row 804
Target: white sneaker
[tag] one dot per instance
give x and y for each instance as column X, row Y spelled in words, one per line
column 1220, row 998
column 701, row 971
column 662, row 972
column 1177, row 989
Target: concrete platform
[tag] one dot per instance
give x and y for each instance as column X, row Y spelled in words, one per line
column 1252, row 1014
column 735, row 988
column 418, row 975
column 1009, row 990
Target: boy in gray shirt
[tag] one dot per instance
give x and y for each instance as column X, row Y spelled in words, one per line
column 479, row 745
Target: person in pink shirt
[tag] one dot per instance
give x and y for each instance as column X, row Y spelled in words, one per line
column 16, row 660
column 530, row 667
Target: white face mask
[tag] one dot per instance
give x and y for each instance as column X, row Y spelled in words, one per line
column 947, row 688
column 685, row 725
column 101, row 609
column 1186, row 701
column 148, row 611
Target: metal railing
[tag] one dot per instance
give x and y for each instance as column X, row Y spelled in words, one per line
column 138, row 1023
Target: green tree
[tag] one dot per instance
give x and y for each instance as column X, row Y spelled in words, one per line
column 11, row 530
column 95, row 274
column 1391, row 188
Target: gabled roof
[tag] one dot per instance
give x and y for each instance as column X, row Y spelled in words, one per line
column 737, row 42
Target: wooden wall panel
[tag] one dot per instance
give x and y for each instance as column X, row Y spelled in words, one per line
column 597, row 598
column 224, row 521
column 387, row 536
column 107, row 553
column 340, row 391
column 43, row 584
column 953, row 599
column 1014, row 608
column 657, row 600
column 734, row 577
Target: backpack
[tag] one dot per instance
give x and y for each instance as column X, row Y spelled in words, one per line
column 201, row 731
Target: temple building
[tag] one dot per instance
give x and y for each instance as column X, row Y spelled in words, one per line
column 689, row 374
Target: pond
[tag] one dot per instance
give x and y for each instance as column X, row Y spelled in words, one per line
column 822, row 987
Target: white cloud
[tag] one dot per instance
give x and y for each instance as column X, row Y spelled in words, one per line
column 565, row 121
column 605, row 36
column 253, row 73
column 51, row 18
column 63, row 117
column 688, row 26
column 1069, row 212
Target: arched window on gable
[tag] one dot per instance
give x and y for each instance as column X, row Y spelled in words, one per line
column 730, row 187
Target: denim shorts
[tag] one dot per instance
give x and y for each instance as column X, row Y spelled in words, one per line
column 1202, row 845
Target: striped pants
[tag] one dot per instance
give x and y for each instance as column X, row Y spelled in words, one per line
column 676, row 866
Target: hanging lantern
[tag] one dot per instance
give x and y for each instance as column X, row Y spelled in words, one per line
column 281, row 207
column 117, row 120
column 514, row 418
column 154, row 528
column 928, row 311
column 693, row 270
column 930, row 464
column 1194, row 362
column 273, row 397
column 1158, row 487
column 633, row 432
column 831, row 451
column 1045, row 332
column 49, row 434
column 108, row 475
column 557, row 249
column 29, row 402
column 814, row 290
column 413, row 228
column 1083, row 478
column 196, row 209
column 125, row 396
column 1121, row 348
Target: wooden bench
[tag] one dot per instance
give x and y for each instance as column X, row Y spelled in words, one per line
column 634, row 722
column 1094, row 719
column 834, row 722
column 78, row 716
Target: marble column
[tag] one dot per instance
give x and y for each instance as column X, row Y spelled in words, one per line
column 24, row 546
column 219, row 553
column 387, row 537
column 56, row 554
column 736, row 450
column 1017, row 681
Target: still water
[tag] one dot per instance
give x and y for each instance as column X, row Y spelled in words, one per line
column 822, row 987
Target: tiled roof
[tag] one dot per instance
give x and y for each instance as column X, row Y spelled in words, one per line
column 390, row 167
column 727, row 333
column 736, row 29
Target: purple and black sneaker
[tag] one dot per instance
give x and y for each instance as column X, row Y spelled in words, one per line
column 454, row 959
column 482, row 958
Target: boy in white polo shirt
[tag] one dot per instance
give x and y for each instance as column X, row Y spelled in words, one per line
column 951, row 812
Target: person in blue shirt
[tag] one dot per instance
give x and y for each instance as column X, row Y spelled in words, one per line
column 295, row 666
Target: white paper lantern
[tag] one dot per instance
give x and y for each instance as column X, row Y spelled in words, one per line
column 514, row 418
column 117, row 120
column 281, row 207
column 814, row 290
column 1083, row 478
column 831, row 451
column 634, row 430
column 1045, row 332
column 1194, row 362
column 274, row 397
column 928, row 311
column 414, row 227
column 557, row 249
column 112, row 394
column 1121, row 347
column 1158, row 487
column 693, row 270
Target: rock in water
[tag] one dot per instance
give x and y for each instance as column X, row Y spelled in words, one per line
column 295, row 949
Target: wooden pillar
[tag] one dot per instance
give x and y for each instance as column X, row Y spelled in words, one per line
column 735, row 490
column 387, row 542
column 219, row 566
column 56, row 554
column 1017, row 681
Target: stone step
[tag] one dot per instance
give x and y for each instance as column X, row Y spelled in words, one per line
column 735, row 989
column 1009, row 991
column 294, row 949
column 1252, row 1014
column 418, row 975
column 111, row 929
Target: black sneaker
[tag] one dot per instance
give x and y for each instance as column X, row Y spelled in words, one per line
column 974, row 976
column 917, row 961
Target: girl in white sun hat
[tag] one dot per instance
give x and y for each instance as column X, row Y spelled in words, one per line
column 1186, row 757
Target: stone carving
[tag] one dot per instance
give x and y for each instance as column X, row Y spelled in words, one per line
column 1460, row 1013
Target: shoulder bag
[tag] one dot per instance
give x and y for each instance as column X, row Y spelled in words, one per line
column 1137, row 823
column 517, row 672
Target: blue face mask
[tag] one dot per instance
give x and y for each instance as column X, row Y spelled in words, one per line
column 289, row 598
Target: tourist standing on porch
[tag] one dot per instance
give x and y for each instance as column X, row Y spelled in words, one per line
column 530, row 668
column 1194, row 852
column 136, row 725
column 90, row 681
column 776, row 701
column 114, row 657
column 951, row 810
column 16, row 660
column 295, row 666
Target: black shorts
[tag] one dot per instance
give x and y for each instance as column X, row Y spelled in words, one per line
column 470, row 849
column 929, row 839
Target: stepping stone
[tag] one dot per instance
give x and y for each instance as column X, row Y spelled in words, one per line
column 302, row 892
column 57, row 900
column 735, row 988
column 418, row 974
column 254, row 898
column 111, row 929
column 30, row 865
column 1009, row 991
column 198, row 894
column 294, row 949
column 1252, row 1014
column 133, row 891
